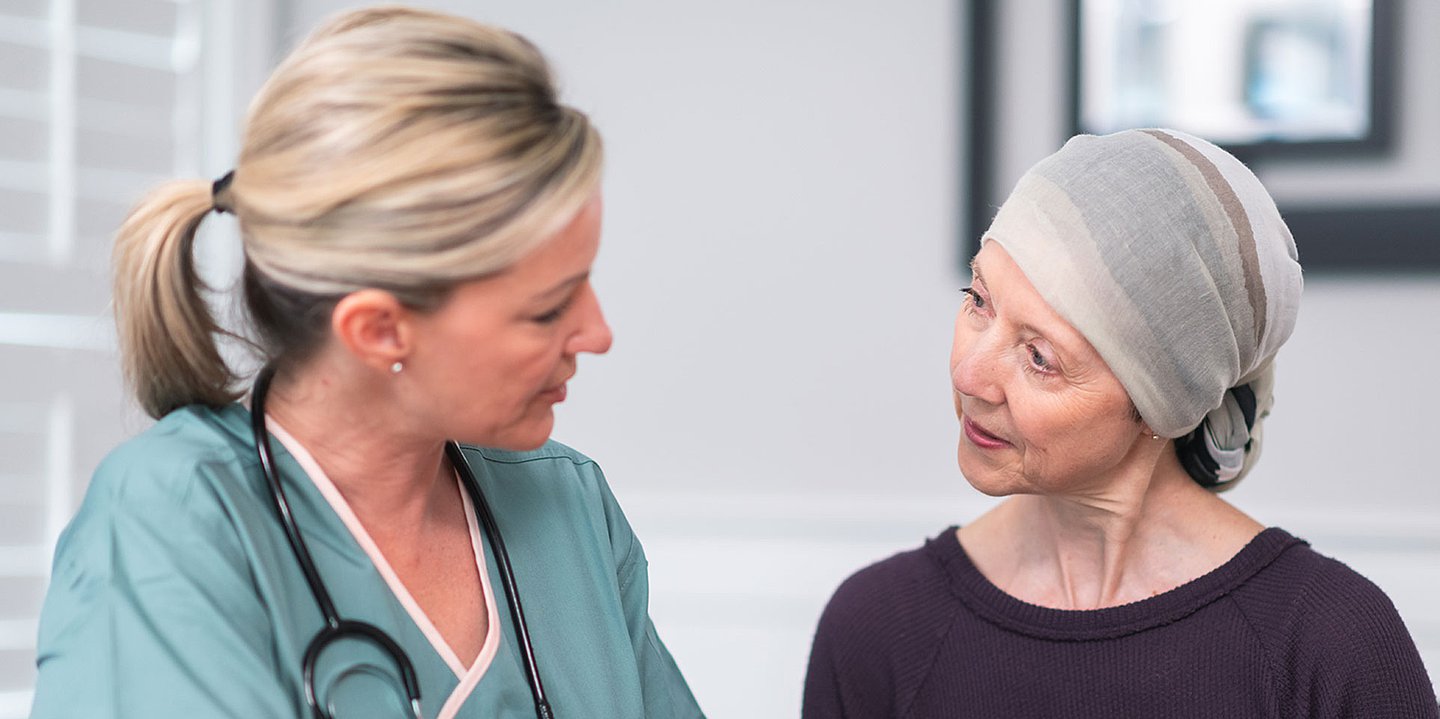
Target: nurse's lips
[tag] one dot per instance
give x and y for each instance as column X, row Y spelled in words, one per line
column 980, row 437
column 555, row 393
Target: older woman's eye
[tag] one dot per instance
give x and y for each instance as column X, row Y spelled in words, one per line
column 1039, row 361
column 974, row 297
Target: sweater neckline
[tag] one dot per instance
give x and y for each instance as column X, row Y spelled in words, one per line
column 990, row 602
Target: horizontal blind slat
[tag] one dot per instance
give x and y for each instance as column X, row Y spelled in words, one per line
column 15, row 705
column 23, row 561
column 119, row 46
column 122, row 118
column 116, row 118
column 18, row 633
column 23, row 247
column 93, row 183
column 23, row 105
column 71, row 332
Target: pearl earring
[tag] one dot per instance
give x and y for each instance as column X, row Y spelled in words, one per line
column 397, row 368
column 1153, row 436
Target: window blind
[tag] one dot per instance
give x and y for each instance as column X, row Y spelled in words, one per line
column 99, row 101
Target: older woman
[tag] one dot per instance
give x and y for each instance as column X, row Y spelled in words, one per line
column 1112, row 367
column 419, row 217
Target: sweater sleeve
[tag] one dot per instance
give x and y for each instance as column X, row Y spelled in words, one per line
column 1361, row 661
column 846, row 678
column 876, row 641
column 1347, row 654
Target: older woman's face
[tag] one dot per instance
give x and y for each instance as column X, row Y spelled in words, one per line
column 495, row 358
column 1040, row 411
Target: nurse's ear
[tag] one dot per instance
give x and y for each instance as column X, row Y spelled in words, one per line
column 374, row 327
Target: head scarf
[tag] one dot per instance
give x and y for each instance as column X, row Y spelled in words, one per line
column 1168, row 255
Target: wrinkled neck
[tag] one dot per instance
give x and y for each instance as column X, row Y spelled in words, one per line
column 1137, row 536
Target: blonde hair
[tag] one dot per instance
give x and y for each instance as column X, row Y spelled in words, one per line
column 395, row 148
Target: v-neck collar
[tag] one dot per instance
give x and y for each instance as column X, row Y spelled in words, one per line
column 468, row 678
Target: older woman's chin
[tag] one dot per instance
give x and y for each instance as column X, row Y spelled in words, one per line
column 987, row 480
column 997, row 492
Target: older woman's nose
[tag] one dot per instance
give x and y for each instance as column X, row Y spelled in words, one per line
column 975, row 371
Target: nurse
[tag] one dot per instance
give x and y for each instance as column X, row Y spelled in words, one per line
column 419, row 217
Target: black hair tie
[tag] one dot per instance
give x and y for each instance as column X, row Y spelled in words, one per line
column 217, row 189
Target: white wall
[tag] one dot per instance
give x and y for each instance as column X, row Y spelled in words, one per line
column 780, row 270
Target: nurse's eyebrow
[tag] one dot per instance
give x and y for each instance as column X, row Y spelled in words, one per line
column 564, row 286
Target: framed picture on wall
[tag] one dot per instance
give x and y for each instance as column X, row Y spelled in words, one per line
column 1254, row 76
column 1295, row 88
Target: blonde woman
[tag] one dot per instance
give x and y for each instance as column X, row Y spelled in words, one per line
column 385, row 529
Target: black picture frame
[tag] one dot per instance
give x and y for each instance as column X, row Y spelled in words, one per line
column 1380, row 102
column 1346, row 237
column 977, row 145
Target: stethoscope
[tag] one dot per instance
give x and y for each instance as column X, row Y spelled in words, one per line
column 337, row 628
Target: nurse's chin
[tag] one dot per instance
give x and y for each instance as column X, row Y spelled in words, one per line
column 524, row 437
column 525, row 444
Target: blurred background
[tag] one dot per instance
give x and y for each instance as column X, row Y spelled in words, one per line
column 792, row 189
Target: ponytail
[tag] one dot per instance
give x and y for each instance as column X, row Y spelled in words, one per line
column 397, row 149
column 167, row 333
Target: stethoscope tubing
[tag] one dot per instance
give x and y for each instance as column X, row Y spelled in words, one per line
column 336, row 627
column 507, row 577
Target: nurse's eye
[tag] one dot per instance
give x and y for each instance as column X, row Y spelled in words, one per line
column 554, row 314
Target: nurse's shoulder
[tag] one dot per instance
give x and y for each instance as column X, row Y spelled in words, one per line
column 156, row 569
column 552, row 460
column 188, row 468
column 558, row 481
column 553, row 471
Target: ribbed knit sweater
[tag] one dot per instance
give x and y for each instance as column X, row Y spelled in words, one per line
column 1277, row 631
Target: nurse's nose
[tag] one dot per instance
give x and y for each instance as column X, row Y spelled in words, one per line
column 594, row 334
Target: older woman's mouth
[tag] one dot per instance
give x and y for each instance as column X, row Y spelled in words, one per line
column 981, row 437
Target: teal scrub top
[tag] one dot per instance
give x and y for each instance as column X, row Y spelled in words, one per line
column 175, row 593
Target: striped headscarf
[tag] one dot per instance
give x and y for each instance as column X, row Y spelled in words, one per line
column 1168, row 255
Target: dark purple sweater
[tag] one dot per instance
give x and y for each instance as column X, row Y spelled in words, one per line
column 1277, row 631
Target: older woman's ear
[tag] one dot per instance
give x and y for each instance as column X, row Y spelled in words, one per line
column 374, row 327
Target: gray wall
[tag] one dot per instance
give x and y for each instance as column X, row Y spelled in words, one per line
column 779, row 267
